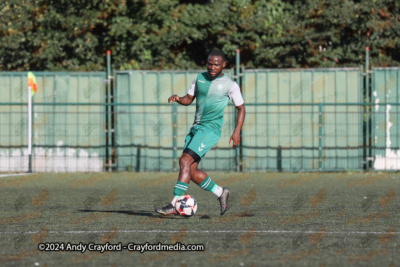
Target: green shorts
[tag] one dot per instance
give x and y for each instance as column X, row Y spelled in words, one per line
column 199, row 141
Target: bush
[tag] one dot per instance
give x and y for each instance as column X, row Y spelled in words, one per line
column 173, row 34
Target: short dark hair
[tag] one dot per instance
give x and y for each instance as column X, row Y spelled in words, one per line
column 218, row 53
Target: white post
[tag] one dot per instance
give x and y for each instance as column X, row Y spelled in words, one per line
column 30, row 128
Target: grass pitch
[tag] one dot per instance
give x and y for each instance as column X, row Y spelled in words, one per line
column 274, row 219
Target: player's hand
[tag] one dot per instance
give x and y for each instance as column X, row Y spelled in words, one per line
column 235, row 138
column 173, row 98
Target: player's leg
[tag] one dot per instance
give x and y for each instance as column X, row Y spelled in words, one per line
column 204, row 181
column 197, row 175
column 184, row 176
column 197, row 143
column 182, row 184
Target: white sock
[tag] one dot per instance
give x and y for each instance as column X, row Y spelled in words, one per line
column 217, row 190
column 174, row 201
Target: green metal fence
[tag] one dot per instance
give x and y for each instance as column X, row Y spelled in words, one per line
column 287, row 113
column 68, row 122
column 144, row 130
column 385, row 119
column 297, row 120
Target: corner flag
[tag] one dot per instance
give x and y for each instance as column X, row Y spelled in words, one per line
column 32, row 83
column 32, row 88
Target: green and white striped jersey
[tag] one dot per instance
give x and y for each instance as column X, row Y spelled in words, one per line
column 212, row 97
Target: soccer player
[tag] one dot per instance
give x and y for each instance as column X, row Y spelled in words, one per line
column 213, row 90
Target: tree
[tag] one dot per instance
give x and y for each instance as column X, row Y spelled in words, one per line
column 178, row 34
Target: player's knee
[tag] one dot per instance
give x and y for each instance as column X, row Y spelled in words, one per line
column 184, row 162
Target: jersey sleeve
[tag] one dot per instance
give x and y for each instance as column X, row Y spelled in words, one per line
column 235, row 95
column 193, row 88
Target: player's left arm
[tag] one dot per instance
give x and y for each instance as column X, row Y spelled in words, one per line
column 236, row 96
column 240, row 120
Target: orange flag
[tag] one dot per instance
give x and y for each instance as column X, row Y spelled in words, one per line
column 32, row 83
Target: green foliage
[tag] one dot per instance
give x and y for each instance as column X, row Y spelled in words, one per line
column 178, row 34
column 336, row 33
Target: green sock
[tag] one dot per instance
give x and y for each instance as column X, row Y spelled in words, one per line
column 207, row 184
column 210, row 185
column 179, row 190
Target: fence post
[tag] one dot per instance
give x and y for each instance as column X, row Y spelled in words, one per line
column 114, row 156
column 367, row 72
column 174, row 134
column 279, row 159
column 367, row 108
column 138, row 158
column 320, row 136
column 108, row 161
column 241, row 136
column 236, row 114
column 370, row 128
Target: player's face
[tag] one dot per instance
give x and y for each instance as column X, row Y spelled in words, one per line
column 215, row 66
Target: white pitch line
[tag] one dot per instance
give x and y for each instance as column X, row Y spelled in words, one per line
column 202, row 232
column 15, row 174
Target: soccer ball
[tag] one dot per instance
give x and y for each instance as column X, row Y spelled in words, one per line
column 186, row 205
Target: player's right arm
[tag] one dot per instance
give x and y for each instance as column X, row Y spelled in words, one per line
column 185, row 100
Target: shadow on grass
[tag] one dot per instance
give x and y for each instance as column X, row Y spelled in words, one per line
column 141, row 213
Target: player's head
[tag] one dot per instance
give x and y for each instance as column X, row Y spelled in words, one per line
column 216, row 62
